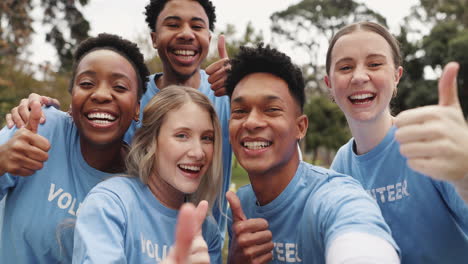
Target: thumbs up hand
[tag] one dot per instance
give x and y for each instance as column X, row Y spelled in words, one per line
column 20, row 114
column 26, row 151
column 189, row 246
column 435, row 138
column 218, row 70
column 251, row 241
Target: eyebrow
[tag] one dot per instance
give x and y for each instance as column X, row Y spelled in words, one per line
column 178, row 18
column 114, row 75
column 370, row 56
column 241, row 99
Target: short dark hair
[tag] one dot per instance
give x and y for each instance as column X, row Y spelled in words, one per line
column 126, row 48
column 268, row 60
column 154, row 8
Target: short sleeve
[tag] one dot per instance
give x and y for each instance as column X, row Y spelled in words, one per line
column 100, row 230
column 344, row 207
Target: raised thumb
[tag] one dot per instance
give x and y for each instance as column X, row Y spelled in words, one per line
column 236, row 207
column 448, row 94
column 222, row 47
column 34, row 117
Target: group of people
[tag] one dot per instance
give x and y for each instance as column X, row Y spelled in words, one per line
column 138, row 170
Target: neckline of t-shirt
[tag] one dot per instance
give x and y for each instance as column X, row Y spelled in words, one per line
column 283, row 199
column 376, row 152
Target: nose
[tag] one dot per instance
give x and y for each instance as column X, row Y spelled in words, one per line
column 186, row 33
column 360, row 75
column 254, row 120
column 102, row 93
column 196, row 150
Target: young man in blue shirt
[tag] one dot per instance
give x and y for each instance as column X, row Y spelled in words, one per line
column 292, row 211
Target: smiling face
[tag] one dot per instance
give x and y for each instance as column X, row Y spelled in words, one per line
column 265, row 124
column 184, row 148
column 182, row 38
column 104, row 97
column 363, row 76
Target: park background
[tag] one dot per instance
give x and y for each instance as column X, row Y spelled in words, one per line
column 37, row 38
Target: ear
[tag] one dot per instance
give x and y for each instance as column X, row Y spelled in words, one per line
column 209, row 37
column 326, row 79
column 137, row 112
column 154, row 39
column 302, row 123
column 398, row 74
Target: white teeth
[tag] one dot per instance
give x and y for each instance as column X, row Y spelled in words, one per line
column 185, row 52
column 101, row 122
column 256, row 144
column 190, row 167
column 101, row 116
column 361, row 96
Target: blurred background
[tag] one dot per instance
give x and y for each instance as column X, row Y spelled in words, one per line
column 37, row 38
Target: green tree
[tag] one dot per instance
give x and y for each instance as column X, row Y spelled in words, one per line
column 446, row 41
column 67, row 26
column 310, row 24
column 327, row 126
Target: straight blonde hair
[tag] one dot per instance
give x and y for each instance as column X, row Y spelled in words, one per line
column 140, row 161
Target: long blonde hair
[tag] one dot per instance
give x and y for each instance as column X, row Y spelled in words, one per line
column 140, row 161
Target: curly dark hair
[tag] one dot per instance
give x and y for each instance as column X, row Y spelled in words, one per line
column 126, row 48
column 268, row 60
column 154, row 8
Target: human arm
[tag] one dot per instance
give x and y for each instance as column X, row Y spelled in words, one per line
column 435, row 138
column 20, row 114
column 218, row 70
column 359, row 247
column 250, row 241
column 342, row 208
column 99, row 230
column 26, row 151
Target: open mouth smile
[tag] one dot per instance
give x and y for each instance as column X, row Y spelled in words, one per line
column 101, row 118
column 362, row 98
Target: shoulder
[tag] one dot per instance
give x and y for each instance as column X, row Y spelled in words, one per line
column 220, row 102
column 246, row 196
column 119, row 188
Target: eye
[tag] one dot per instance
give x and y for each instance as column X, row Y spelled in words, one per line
column 208, row 138
column 374, row 65
column 273, row 109
column 345, row 68
column 181, row 135
column 238, row 111
column 86, row 84
column 121, row 88
column 172, row 25
column 197, row 27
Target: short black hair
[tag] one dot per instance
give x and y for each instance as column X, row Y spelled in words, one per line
column 126, row 48
column 269, row 60
column 154, row 8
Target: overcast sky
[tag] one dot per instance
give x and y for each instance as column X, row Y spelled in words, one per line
column 125, row 18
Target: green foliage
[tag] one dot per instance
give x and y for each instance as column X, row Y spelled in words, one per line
column 233, row 42
column 447, row 41
column 310, row 24
column 16, row 26
column 67, row 26
column 327, row 125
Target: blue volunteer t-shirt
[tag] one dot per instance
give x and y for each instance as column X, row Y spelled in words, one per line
column 40, row 210
column 222, row 106
column 316, row 206
column 428, row 219
column 121, row 221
